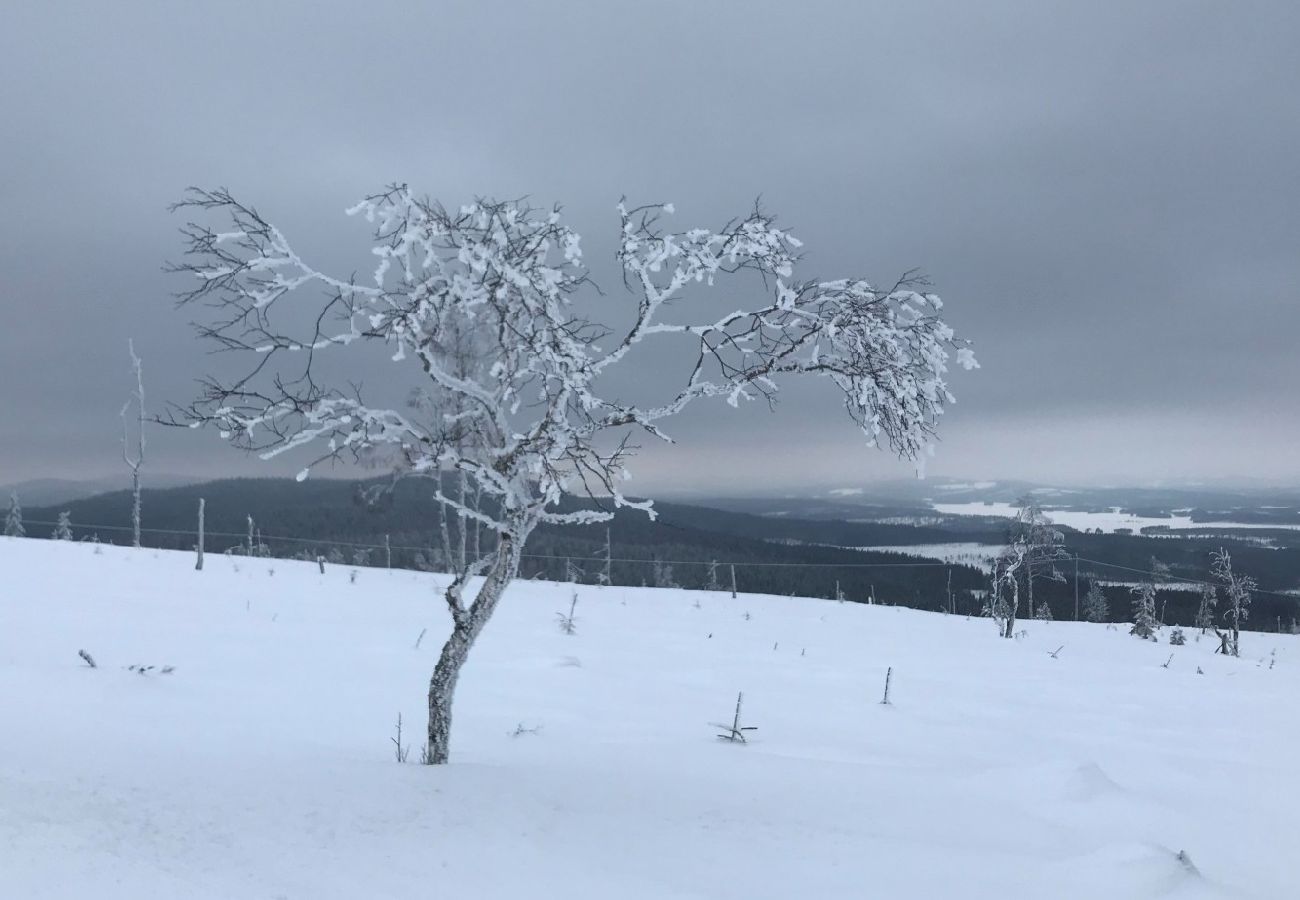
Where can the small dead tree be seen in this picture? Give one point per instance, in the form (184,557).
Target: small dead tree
(133,450)
(1205,609)
(526,421)
(607,576)
(1237,590)
(198,546)
(400,750)
(735,732)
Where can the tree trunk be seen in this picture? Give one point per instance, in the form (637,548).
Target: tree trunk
(135,507)
(468,625)
(198,565)
(1010,630)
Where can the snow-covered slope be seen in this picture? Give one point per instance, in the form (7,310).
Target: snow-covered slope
(262,766)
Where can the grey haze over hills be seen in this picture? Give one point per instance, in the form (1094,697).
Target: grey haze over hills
(1104,194)
(53,491)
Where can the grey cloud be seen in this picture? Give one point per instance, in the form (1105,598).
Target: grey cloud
(1105,194)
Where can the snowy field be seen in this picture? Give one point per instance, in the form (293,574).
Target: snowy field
(977,556)
(262,766)
(1108,522)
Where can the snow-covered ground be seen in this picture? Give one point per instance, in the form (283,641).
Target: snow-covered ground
(1110,521)
(977,556)
(262,767)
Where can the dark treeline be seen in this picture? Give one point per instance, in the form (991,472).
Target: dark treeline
(779,555)
(331,518)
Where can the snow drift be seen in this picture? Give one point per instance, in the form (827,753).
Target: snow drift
(262,766)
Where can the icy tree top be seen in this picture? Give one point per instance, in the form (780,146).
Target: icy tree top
(480,300)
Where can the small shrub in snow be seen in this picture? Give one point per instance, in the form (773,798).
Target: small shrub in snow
(352,577)
(568,623)
(520,730)
(139,669)
(1177,638)
(1043,613)
(90,660)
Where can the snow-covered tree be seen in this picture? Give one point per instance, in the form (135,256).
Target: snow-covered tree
(134,458)
(1044,612)
(1144,611)
(1096,608)
(1145,621)
(63,528)
(1004,600)
(1043,547)
(1205,610)
(662,574)
(530,422)
(14,518)
(1236,607)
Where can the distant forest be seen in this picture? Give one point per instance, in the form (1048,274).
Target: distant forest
(686,546)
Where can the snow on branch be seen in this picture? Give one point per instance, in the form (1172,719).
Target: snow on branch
(477,304)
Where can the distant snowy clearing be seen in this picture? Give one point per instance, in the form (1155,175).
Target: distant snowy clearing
(1108,522)
(977,556)
(262,766)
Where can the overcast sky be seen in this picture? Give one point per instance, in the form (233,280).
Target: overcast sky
(1107,196)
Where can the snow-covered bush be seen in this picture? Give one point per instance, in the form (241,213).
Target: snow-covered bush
(63,528)
(1177,637)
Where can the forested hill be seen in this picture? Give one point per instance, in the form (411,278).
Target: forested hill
(772,554)
(330,517)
